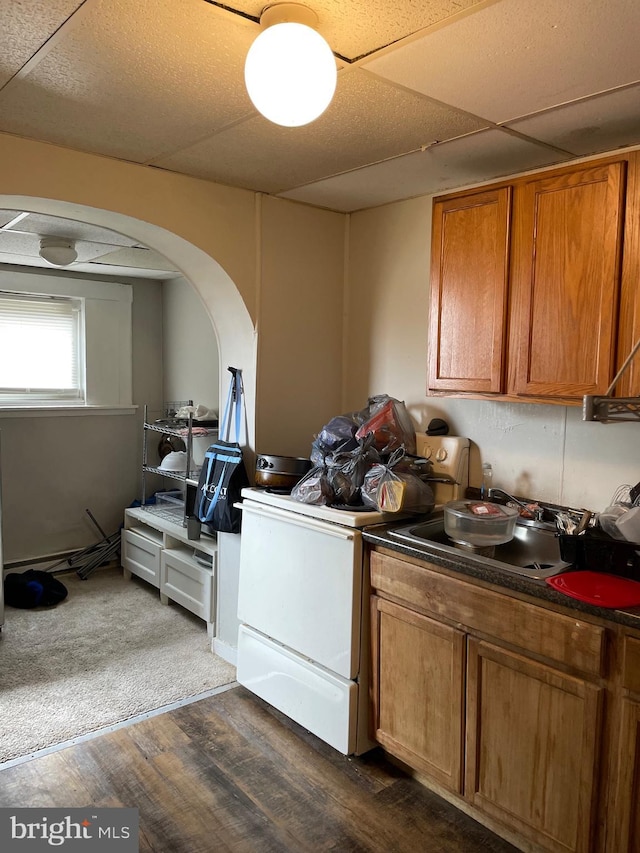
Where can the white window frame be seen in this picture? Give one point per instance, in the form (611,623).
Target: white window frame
(105,345)
(32,307)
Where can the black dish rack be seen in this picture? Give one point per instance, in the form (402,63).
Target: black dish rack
(596,551)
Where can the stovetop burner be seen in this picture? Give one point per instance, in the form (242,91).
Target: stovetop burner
(352,507)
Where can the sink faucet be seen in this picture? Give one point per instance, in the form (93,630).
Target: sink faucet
(536,511)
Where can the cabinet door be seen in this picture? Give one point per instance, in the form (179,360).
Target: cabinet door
(623,826)
(418,671)
(531,747)
(629,325)
(469,267)
(566,282)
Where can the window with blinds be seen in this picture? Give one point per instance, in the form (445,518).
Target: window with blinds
(40,349)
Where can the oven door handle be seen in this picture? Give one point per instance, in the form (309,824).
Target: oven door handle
(299,520)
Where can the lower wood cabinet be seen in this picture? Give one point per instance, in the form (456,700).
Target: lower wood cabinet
(532,744)
(534,732)
(419,690)
(624,832)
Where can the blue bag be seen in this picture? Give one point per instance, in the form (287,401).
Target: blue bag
(223,475)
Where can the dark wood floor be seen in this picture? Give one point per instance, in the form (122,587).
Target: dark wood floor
(229,773)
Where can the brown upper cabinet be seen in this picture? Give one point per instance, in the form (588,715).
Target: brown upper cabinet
(469,281)
(530,299)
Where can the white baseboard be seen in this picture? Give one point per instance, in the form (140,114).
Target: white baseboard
(225,651)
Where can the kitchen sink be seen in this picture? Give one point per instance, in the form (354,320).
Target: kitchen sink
(534,550)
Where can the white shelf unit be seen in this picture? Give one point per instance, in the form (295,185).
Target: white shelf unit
(155,547)
(176,432)
(188,478)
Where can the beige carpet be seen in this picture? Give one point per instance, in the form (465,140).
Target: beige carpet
(110,651)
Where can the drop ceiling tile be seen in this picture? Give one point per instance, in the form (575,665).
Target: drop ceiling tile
(133,80)
(599,124)
(369,120)
(19,244)
(7,216)
(475,158)
(354,28)
(29,245)
(510,59)
(139,257)
(54,226)
(25,25)
(100,250)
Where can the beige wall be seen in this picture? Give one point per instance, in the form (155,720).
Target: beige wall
(538,451)
(300,359)
(217,219)
(259,266)
(388,304)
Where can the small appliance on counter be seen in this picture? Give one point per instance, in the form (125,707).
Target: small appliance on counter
(449,456)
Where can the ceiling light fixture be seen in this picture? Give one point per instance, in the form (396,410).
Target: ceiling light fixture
(57,251)
(290,71)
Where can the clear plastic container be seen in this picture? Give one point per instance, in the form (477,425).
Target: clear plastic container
(479,523)
(170,500)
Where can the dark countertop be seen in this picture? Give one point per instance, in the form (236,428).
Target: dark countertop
(519,583)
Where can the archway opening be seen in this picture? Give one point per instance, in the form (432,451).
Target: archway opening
(233,330)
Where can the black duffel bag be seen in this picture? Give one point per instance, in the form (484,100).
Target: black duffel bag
(33,589)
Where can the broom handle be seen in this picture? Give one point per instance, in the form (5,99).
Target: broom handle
(623,368)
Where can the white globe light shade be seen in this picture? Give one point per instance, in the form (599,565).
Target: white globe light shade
(57,251)
(290,74)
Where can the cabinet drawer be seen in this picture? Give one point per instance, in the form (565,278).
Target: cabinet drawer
(186,583)
(631,666)
(141,556)
(530,627)
(321,701)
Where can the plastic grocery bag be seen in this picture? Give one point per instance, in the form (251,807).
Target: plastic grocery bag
(404,493)
(391,425)
(314,488)
(346,470)
(391,487)
(336,436)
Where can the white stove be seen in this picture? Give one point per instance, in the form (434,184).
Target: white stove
(345,517)
(449,455)
(303,602)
